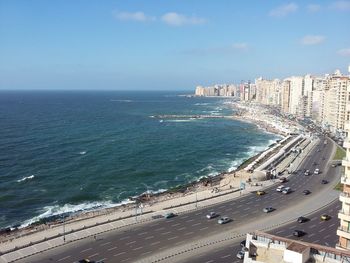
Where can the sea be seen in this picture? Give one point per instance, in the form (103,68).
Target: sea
(69,151)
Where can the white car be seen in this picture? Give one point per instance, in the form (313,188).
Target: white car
(240,255)
(212,215)
(280,188)
(317,171)
(287,190)
(224,220)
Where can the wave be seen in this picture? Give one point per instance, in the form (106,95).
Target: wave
(25,178)
(201,104)
(82,152)
(182,120)
(121,100)
(57,211)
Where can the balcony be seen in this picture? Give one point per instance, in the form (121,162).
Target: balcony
(344,198)
(344,215)
(344,232)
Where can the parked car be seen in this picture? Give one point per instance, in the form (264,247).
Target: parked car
(243,242)
(325,217)
(169,215)
(212,215)
(280,188)
(260,192)
(268,209)
(240,255)
(287,190)
(306,192)
(298,233)
(302,219)
(224,220)
(324,182)
(317,171)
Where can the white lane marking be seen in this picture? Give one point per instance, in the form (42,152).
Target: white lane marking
(125,259)
(197,214)
(182,228)
(184,216)
(159,229)
(105,244)
(146,253)
(155,243)
(209,261)
(188,233)
(312,234)
(109,249)
(165,233)
(197,224)
(121,253)
(93,255)
(247,208)
(226,256)
(170,238)
(137,248)
(326,237)
(149,237)
(190,220)
(278,232)
(129,243)
(176,224)
(323,229)
(312,226)
(143,233)
(331,225)
(63,258)
(203,228)
(86,250)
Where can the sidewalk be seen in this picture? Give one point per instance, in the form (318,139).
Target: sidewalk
(41,241)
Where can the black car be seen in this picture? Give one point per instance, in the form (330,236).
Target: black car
(306,192)
(302,219)
(324,182)
(243,243)
(298,233)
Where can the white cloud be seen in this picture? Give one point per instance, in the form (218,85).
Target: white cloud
(341,5)
(313,8)
(345,52)
(175,19)
(312,40)
(136,16)
(284,10)
(241,46)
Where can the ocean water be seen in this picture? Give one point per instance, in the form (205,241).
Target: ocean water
(66,151)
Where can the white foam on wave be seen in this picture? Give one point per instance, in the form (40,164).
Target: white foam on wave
(26,178)
(56,210)
(153,192)
(82,152)
(180,120)
(121,100)
(201,104)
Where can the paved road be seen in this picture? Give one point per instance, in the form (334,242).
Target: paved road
(319,232)
(138,242)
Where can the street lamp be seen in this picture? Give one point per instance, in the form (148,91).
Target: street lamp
(64,229)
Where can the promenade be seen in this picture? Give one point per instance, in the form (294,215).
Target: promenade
(75,231)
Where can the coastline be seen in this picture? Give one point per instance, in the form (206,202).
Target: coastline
(223,181)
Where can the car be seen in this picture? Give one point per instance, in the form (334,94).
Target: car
(302,219)
(169,215)
(260,192)
(324,182)
(325,217)
(268,209)
(317,171)
(306,192)
(280,188)
(307,172)
(85,260)
(243,242)
(287,190)
(212,215)
(298,233)
(224,220)
(240,255)
(283,179)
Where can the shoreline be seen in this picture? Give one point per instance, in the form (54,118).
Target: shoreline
(205,183)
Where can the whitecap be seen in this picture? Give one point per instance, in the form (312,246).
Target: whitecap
(122,100)
(57,210)
(25,178)
(82,152)
(180,120)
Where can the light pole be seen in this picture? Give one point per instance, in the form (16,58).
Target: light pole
(64,229)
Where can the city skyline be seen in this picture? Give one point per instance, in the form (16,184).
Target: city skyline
(167,46)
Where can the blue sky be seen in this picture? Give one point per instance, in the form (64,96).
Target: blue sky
(168,44)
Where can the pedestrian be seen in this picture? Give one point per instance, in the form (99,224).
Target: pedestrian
(95,237)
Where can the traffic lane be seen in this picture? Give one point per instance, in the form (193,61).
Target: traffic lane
(142,245)
(316,234)
(317,231)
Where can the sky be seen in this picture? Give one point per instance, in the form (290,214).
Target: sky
(168,44)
